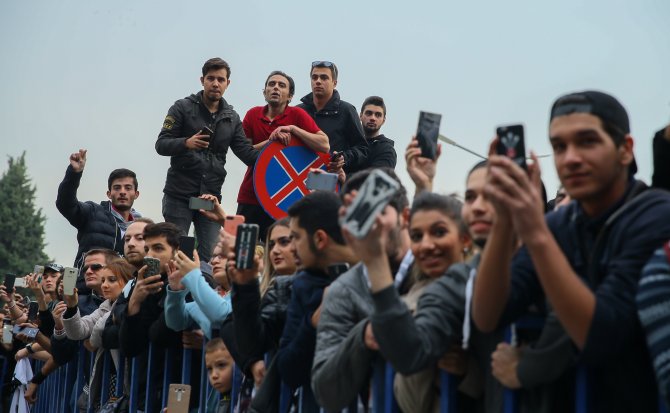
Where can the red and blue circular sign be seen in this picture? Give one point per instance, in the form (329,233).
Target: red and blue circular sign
(280,174)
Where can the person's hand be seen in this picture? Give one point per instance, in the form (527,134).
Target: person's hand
(185,264)
(35,287)
(239,276)
(369,338)
(4,296)
(21,354)
(57,314)
(226,242)
(197,141)
(78,160)
(454,361)
(258,371)
(504,362)
(71,300)
(31,393)
(192,339)
(217,214)
(143,288)
(419,168)
(281,134)
(336,162)
(22,336)
(516,194)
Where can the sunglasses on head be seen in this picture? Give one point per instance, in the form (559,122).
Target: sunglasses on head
(322,63)
(93,267)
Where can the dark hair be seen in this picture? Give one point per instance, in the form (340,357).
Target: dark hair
(170,231)
(448,205)
(355,181)
(374,100)
(121,173)
(329,65)
(122,269)
(319,210)
(215,63)
(291,83)
(478,165)
(110,255)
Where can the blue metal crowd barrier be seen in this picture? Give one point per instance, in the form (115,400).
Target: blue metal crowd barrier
(62,388)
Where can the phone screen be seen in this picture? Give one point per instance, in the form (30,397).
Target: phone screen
(199,203)
(187,245)
(427,132)
(511,144)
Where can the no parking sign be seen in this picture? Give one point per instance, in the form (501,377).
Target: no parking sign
(280,174)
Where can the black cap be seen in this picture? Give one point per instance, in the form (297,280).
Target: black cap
(599,104)
(53,267)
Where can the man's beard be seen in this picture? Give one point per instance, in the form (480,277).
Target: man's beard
(136,261)
(393,243)
(370,131)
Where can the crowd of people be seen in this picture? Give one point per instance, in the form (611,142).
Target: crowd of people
(433,286)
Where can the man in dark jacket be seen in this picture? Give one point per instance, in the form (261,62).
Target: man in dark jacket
(335,117)
(585,258)
(196,134)
(98,225)
(661,152)
(373,115)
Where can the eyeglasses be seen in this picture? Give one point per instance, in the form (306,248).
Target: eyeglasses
(93,267)
(282,241)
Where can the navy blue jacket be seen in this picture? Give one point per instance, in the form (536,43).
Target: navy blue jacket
(608,253)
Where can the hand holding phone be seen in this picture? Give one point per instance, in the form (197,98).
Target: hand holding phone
(373,196)
(153,266)
(69,280)
(199,203)
(187,245)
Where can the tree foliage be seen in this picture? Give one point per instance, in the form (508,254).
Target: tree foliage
(21,223)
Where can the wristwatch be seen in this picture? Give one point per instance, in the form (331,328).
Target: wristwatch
(29,348)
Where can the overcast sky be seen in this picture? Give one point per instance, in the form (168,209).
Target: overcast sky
(102,75)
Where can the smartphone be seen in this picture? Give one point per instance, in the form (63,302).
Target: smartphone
(245,246)
(199,203)
(511,144)
(336,270)
(10,279)
(30,332)
(206,130)
(178,398)
(153,266)
(335,156)
(321,181)
(33,308)
(20,282)
(427,132)
(232,222)
(375,193)
(7,335)
(187,245)
(39,272)
(16,329)
(69,280)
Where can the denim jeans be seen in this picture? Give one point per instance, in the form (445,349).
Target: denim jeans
(177,212)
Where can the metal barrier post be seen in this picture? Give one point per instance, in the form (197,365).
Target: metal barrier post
(448,401)
(148,399)
(134,385)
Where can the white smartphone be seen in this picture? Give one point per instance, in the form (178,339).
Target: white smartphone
(375,193)
(7,333)
(69,280)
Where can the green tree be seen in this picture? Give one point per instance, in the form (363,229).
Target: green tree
(21,223)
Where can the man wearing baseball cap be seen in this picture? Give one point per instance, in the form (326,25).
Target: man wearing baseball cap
(585,258)
(52,272)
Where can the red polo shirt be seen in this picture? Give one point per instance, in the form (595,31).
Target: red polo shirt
(258,128)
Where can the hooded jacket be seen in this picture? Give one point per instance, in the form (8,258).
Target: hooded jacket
(98,225)
(194,172)
(339,120)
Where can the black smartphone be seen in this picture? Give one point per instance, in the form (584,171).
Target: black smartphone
(206,130)
(199,203)
(511,144)
(32,311)
(9,282)
(335,156)
(245,246)
(427,132)
(187,245)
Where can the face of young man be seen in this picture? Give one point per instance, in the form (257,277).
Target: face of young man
(477,211)
(123,193)
(93,264)
(276,91)
(133,244)
(591,167)
(323,84)
(372,118)
(159,248)
(49,279)
(214,84)
(302,246)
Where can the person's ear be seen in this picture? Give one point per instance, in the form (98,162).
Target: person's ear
(320,239)
(404,223)
(202,80)
(109,194)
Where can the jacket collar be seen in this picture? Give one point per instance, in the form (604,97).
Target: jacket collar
(333,105)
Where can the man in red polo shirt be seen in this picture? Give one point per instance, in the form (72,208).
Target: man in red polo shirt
(275,121)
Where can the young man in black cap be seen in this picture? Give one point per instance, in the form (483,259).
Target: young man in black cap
(52,272)
(584,258)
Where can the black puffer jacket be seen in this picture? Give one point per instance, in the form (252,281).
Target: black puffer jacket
(96,224)
(202,171)
(339,120)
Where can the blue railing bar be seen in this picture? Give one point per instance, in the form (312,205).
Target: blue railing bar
(203,379)
(237,385)
(120,376)
(149,396)
(104,383)
(134,385)
(91,361)
(167,373)
(581,396)
(448,387)
(186,366)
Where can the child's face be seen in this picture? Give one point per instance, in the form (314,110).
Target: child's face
(219,365)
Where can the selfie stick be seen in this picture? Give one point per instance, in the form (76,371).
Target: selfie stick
(450,142)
